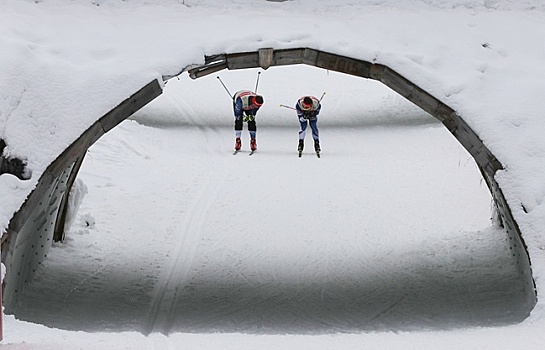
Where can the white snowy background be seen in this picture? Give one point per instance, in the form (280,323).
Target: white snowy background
(176,238)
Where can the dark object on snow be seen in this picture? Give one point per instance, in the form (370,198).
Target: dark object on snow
(14,166)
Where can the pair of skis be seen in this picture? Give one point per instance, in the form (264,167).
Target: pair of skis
(317,154)
(237,152)
(300,153)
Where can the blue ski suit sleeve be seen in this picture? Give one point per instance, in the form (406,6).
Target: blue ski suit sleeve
(238,108)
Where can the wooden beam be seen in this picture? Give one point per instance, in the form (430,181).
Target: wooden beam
(201,71)
(343,64)
(243,60)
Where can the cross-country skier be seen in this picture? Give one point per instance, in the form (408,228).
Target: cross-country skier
(245,106)
(308,108)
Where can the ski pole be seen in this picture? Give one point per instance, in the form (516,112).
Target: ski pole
(257,82)
(225,87)
(288,107)
(320,100)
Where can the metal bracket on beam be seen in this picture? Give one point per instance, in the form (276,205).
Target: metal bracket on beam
(265,58)
(206,69)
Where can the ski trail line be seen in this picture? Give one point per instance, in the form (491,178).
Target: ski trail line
(177,270)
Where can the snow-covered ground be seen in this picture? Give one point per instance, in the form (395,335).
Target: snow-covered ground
(389,231)
(385,242)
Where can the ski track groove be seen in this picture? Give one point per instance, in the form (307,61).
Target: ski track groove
(83,281)
(178,270)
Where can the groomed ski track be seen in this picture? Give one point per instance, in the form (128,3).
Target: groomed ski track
(269,244)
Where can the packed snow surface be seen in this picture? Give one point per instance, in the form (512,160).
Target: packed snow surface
(176,241)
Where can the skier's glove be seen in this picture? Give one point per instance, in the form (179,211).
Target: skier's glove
(302,119)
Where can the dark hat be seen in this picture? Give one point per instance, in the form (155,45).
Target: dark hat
(257,100)
(307,103)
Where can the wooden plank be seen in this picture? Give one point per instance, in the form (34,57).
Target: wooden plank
(288,57)
(472,143)
(343,64)
(442,112)
(411,92)
(58,231)
(75,150)
(376,71)
(132,104)
(396,82)
(214,58)
(265,57)
(425,101)
(242,60)
(310,57)
(202,71)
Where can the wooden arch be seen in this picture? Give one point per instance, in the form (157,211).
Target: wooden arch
(41,218)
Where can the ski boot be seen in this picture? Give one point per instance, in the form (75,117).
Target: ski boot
(317,148)
(253,145)
(300,147)
(238,144)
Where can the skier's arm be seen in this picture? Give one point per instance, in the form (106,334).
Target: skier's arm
(317,111)
(252,112)
(300,113)
(238,108)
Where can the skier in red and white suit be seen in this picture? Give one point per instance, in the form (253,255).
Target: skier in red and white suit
(245,106)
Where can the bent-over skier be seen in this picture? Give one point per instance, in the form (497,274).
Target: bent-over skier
(245,106)
(308,108)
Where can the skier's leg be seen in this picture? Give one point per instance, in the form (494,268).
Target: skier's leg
(314,127)
(302,134)
(238,126)
(238,133)
(302,130)
(315,134)
(252,130)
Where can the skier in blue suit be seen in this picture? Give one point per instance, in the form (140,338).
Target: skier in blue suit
(308,108)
